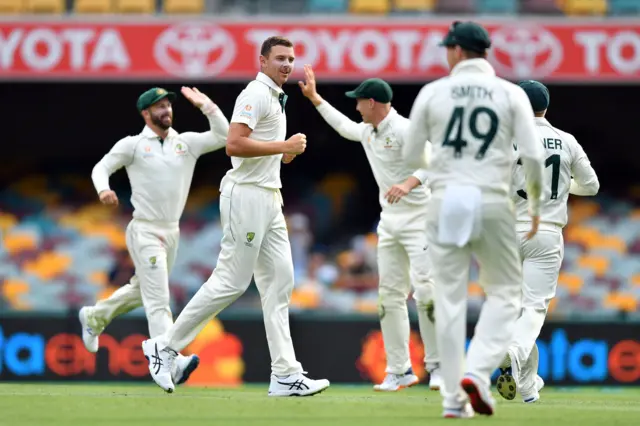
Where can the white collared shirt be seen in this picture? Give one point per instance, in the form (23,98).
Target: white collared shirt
(258,106)
(383,147)
(160,173)
(564,158)
(471,118)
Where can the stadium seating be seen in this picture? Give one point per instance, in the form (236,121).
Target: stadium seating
(624,7)
(327,6)
(135,6)
(547,7)
(413,6)
(456,6)
(11,6)
(497,6)
(45,6)
(585,7)
(92,6)
(378,7)
(183,6)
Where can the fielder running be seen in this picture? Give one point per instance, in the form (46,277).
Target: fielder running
(160,164)
(255,239)
(403,258)
(542,255)
(471,117)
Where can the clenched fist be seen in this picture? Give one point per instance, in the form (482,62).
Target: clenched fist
(296,144)
(108,197)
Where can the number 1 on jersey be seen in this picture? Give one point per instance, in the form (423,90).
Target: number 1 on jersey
(554,162)
(456,122)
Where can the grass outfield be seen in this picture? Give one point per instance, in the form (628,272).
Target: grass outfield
(142,405)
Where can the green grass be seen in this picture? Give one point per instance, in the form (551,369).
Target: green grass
(142,405)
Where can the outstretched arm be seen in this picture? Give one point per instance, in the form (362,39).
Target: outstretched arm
(216,137)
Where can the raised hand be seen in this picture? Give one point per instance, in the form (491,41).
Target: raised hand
(308,86)
(196,97)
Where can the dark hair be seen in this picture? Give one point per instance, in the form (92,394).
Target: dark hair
(472,54)
(274,41)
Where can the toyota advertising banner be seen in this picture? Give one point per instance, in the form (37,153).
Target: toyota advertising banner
(397,50)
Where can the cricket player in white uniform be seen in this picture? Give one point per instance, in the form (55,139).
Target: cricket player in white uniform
(160,164)
(471,117)
(255,241)
(403,258)
(568,171)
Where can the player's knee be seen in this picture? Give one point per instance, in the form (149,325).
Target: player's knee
(423,292)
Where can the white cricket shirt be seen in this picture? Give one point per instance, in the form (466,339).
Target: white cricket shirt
(471,118)
(564,157)
(258,106)
(383,147)
(160,172)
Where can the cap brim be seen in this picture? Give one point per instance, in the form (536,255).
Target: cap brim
(448,41)
(351,94)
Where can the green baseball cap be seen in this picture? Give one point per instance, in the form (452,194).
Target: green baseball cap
(152,96)
(538,94)
(467,35)
(373,88)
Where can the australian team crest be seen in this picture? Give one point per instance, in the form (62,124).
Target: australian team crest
(250,237)
(181,149)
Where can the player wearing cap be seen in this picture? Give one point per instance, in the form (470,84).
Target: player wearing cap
(255,241)
(160,164)
(471,117)
(403,258)
(568,171)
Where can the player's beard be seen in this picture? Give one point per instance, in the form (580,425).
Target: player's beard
(158,120)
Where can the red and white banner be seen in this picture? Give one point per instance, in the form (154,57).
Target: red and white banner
(565,51)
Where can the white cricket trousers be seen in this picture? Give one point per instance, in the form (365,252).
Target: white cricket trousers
(403,261)
(255,243)
(541,260)
(153,247)
(496,250)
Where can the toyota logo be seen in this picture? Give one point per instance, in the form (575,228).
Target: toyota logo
(525,52)
(194,50)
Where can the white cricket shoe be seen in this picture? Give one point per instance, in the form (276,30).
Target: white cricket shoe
(509,377)
(479,395)
(183,367)
(395,382)
(160,364)
(296,385)
(435,379)
(534,395)
(465,412)
(90,335)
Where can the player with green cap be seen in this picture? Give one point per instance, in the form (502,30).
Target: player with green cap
(160,164)
(471,118)
(403,257)
(568,171)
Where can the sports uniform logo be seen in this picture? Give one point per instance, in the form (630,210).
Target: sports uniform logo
(194,50)
(525,52)
(250,237)
(180,149)
(153,260)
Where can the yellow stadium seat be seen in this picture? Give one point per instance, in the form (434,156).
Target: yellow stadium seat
(15,242)
(46,6)
(414,5)
(611,242)
(636,280)
(623,302)
(598,264)
(378,7)
(99,278)
(48,265)
(582,210)
(93,6)
(582,235)
(572,282)
(585,7)
(7,221)
(11,6)
(12,290)
(183,6)
(135,6)
(366,307)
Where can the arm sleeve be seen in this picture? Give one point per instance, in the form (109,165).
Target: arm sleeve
(341,123)
(421,174)
(215,138)
(585,181)
(416,135)
(249,109)
(120,155)
(529,147)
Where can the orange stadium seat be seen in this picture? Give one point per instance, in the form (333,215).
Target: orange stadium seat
(12,290)
(572,282)
(93,6)
(379,7)
(46,6)
(623,302)
(183,6)
(135,6)
(11,6)
(598,264)
(585,7)
(414,5)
